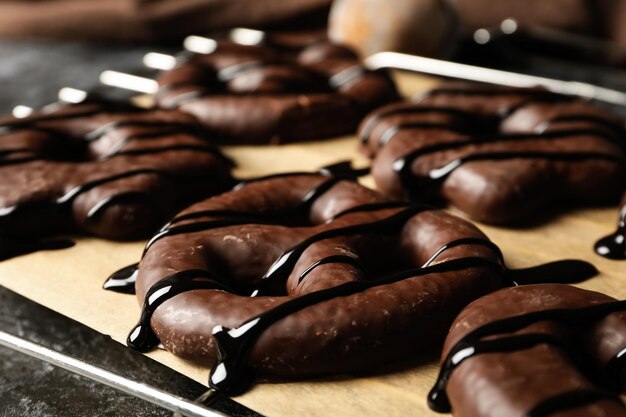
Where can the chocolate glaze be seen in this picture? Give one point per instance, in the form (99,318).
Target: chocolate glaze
(234,371)
(507,143)
(476,333)
(286,95)
(123,145)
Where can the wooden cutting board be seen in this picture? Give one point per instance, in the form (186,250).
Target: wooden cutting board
(69,281)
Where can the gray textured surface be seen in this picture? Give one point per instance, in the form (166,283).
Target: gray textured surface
(29,387)
(31,73)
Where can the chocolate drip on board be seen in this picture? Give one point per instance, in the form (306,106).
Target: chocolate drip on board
(474,344)
(613,246)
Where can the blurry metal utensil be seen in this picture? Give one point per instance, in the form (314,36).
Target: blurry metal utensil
(442,68)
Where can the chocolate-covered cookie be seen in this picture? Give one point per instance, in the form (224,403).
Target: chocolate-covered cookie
(341,279)
(500,155)
(539,350)
(614,246)
(106,169)
(272,94)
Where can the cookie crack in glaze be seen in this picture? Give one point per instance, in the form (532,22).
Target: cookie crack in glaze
(536,350)
(108,169)
(500,155)
(273,93)
(296,275)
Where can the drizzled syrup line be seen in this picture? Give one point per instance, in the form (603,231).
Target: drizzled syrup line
(68,198)
(283,266)
(614,126)
(123,280)
(412,108)
(100,206)
(142,338)
(232,375)
(403,166)
(126,276)
(614,246)
(119,124)
(340,259)
(199,227)
(471,344)
(466,241)
(239,218)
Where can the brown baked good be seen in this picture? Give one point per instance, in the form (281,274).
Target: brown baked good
(539,350)
(341,276)
(275,93)
(501,155)
(614,246)
(106,169)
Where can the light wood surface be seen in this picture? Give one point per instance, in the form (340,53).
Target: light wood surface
(69,281)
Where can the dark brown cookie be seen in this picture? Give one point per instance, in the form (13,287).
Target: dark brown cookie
(614,246)
(500,155)
(342,279)
(109,170)
(268,94)
(540,350)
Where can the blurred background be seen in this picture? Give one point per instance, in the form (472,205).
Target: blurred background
(48,44)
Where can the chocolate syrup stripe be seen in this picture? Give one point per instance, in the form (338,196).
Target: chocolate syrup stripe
(342,79)
(124,279)
(614,246)
(403,165)
(334,259)
(411,108)
(142,337)
(473,344)
(66,200)
(232,373)
(304,205)
(238,218)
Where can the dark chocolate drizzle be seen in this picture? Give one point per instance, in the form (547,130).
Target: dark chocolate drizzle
(64,202)
(123,280)
(142,337)
(474,343)
(232,374)
(614,246)
(413,182)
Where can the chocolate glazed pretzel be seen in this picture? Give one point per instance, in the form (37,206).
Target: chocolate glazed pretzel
(341,278)
(500,155)
(263,94)
(535,351)
(107,169)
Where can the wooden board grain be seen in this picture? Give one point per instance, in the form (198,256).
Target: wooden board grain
(69,281)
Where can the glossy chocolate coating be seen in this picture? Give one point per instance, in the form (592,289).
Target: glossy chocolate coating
(536,350)
(500,155)
(106,169)
(343,277)
(264,94)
